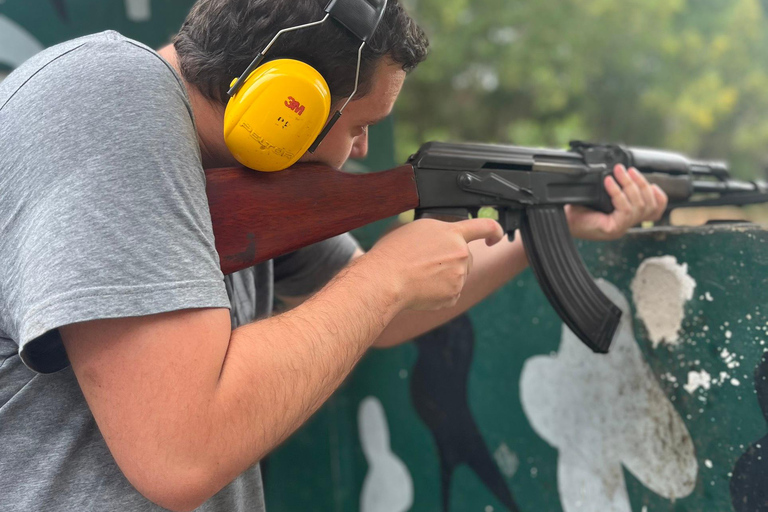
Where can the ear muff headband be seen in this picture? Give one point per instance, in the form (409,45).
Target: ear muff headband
(253,134)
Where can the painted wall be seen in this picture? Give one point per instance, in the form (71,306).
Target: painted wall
(505,410)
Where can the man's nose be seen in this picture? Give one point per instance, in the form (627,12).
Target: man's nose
(360,146)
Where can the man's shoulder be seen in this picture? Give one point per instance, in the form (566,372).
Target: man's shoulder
(110,49)
(96,57)
(90,48)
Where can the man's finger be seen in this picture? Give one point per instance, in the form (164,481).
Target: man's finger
(619,200)
(475,229)
(661,201)
(629,187)
(645,190)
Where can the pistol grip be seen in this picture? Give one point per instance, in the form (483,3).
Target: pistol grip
(604,202)
(564,278)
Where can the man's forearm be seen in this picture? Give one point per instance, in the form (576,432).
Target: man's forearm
(492,268)
(285,367)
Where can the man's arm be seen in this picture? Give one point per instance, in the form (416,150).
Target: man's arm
(185,405)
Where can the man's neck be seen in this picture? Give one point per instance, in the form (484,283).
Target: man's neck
(209,120)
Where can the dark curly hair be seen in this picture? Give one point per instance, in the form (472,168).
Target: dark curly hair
(219,38)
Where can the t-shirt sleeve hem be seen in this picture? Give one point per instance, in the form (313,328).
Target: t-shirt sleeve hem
(102,303)
(309,269)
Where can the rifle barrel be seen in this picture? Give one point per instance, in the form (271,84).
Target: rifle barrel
(726,187)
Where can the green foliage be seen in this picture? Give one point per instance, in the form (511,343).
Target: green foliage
(689,75)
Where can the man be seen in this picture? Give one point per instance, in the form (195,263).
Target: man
(133,375)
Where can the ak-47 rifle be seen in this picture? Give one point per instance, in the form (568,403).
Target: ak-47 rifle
(257,216)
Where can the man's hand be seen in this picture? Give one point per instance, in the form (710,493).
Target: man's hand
(634,200)
(431,259)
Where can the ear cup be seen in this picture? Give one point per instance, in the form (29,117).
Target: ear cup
(276,115)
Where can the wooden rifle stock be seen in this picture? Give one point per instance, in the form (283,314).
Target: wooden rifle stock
(260,215)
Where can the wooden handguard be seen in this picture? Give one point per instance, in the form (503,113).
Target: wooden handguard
(257,216)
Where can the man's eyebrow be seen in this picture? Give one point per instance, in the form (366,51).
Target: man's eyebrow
(377,120)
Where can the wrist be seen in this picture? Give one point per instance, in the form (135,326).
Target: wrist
(386,282)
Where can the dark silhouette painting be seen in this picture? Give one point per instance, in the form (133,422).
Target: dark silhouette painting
(439,393)
(749,483)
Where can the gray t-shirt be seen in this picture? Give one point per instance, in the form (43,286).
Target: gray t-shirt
(103,214)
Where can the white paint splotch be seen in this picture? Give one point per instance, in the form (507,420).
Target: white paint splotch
(138,10)
(605,411)
(701,379)
(660,289)
(507,460)
(16,44)
(388,486)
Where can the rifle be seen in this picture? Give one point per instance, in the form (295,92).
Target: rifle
(258,216)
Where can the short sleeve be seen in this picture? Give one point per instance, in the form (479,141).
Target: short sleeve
(307,270)
(104,212)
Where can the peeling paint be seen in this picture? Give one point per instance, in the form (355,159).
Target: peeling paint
(604,413)
(729,358)
(697,380)
(660,289)
(507,460)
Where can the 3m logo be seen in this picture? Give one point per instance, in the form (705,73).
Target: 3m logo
(294,105)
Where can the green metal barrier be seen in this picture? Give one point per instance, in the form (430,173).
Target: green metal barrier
(504,410)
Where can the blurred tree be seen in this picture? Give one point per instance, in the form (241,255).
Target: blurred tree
(678,74)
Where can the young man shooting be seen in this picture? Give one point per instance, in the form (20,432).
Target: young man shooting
(134,375)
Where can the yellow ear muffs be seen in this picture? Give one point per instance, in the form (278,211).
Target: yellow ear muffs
(276,115)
